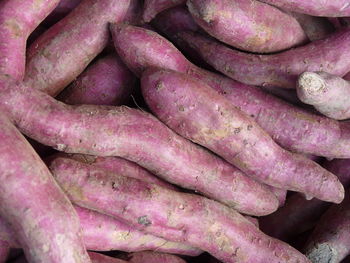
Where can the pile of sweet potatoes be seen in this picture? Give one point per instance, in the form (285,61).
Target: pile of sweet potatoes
(159,131)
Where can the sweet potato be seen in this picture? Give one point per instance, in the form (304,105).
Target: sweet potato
(303,214)
(326,92)
(99,258)
(104,233)
(328,8)
(221,231)
(119,166)
(83,32)
(39,213)
(138,137)
(152,7)
(248,24)
(331,54)
(330,240)
(134,14)
(186,106)
(152,257)
(15,28)
(4,251)
(106,82)
(292,127)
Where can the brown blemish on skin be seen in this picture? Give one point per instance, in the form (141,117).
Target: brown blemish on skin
(14,27)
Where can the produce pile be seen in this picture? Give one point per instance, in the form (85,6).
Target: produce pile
(174,131)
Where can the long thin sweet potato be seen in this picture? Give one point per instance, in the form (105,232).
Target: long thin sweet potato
(138,137)
(152,7)
(331,54)
(199,113)
(106,82)
(293,128)
(169,214)
(59,55)
(248,24)
(330,8)
(30,200)
(15,28)
(326,92)
(330,240)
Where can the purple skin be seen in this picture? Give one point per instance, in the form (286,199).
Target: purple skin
(99,258)
(63,8)
(106,82)
(175,216)
(303,214)
(329,8)
(59,55)
(136,136)
(119,166)
(278,70)
(18,19)
(42,217)
(326,92)
(4,251)
(152,7)
(153,257)
(330,240)
(104,233)
(281,195)
(134,14)
(186,105)
(247,24)
(293,128)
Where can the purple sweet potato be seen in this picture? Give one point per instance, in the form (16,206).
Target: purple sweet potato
(153,257)
(186,106)
(119,166)
(40,214)
(106,82)
(293,128)
(248,24)
(330,240)
(326,92)
(132,134)
(221,231)
(303,214)
(59,55)
(104,233)
(134,14)
(19,18)
(331,54)
(152,7)
(330,8)
(99,258)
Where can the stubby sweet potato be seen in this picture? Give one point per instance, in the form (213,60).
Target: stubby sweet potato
(331,54)
(326,92)
(330,8)
(248,24)
(138,137)
(186,106)
(293,128)
(40,214)
(106,82)
(152,257)
(59,55)
(18,18)
(152,7)
(176,216)
(330,240)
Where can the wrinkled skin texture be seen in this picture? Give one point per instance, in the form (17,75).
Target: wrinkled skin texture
(326,92)
(104,233)
(221,231)
(331,54)
(19,18)
(138,137)
(152,7)
(59,55)
(330,8)
(106,82)
(293,128)
(186,106)
(247,24)
(153,257)
(303,214)
(41,216)
(330,240)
